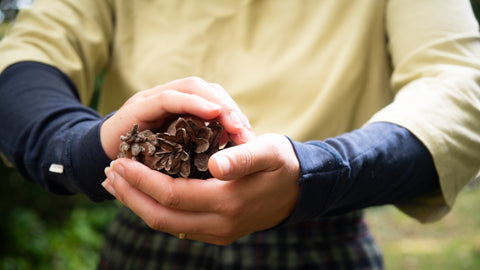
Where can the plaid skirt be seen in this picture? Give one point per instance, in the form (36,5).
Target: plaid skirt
(342,242)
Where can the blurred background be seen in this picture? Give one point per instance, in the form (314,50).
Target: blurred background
(40,231)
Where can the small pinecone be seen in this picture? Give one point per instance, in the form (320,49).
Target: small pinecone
(182,151)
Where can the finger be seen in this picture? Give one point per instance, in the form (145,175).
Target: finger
(239,161)
(151,112)
(216,233)
(245,136)
(211,91)
(231,117)
(234,119)
(173,102)
(179,193)
(159,217)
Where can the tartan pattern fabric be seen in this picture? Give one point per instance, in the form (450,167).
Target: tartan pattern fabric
(342,242)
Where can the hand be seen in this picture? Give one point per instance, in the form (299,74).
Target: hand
(255,189)
(149,108)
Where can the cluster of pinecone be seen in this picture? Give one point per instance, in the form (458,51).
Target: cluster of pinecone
(182,151)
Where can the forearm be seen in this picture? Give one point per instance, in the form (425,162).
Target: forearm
(43,124)
(379,164)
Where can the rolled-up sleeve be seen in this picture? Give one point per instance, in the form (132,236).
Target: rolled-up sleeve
(47,134)
(435,50)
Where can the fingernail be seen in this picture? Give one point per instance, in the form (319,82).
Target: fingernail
(108,187)
(118,168)
(110,175)
(247,135)
(245,122)
(236,121)
(224,164)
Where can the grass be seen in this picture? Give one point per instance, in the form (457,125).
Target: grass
(452,243)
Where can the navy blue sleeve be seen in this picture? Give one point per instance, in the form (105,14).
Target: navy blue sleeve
(47,134)
(379,164)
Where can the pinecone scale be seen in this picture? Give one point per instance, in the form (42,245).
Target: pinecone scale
(182,151)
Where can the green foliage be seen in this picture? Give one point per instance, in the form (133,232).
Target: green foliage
(476,8)
(45,231)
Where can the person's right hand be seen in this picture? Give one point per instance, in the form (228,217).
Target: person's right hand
(150,108)
(255,187)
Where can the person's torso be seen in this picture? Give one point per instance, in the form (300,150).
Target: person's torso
(306,69)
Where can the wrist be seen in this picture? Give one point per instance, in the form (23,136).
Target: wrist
(109,140)
(88,159)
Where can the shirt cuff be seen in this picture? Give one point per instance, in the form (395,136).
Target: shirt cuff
(89,160)
(381,163)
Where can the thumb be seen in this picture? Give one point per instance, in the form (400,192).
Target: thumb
(242,160)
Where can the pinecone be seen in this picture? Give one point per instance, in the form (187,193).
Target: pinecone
(182,151)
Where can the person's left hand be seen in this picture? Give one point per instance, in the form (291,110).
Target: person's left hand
(150,108)
(258,190)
